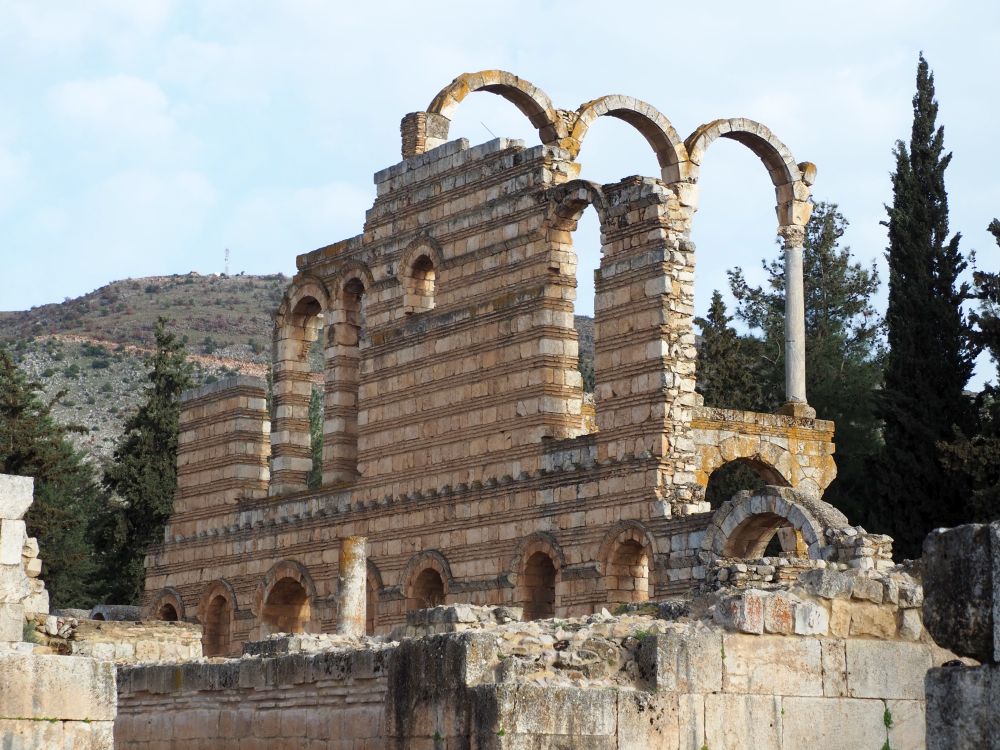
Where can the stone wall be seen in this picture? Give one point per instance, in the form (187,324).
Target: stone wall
(455,436)
(487,680)
(136,642)
(962,611)
(46,701)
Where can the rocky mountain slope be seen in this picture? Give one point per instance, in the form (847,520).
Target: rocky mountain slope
(93,350)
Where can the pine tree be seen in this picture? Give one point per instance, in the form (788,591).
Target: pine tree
(930,358)
(977,457)
(843,353)
(315,477)
(67,495)
(727,362)
(143,474)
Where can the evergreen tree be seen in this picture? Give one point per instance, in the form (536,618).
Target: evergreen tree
(930,358)
(977,458)
(144,474)
(315,477)
(67,495)
(728,364)
(843,352)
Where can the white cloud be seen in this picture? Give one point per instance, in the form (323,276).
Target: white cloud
(116,109)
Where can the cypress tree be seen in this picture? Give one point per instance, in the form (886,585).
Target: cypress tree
(67,495)
(930,358)
(977,457)
(728,363)
(143,474)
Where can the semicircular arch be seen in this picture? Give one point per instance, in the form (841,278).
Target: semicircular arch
(534,103)
(168,596)
(742,526)
(671,153)
(279,571)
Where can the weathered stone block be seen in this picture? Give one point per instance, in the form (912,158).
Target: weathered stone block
(743,721)
(16,494)
(811,619)
(64,687)
(683,663)
(743,613)
(11,622)
(832,723)
(961,581)
(772,665)
(962,708)
(11,541)
(886,669)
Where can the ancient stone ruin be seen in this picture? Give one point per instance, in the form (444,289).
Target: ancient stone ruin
(46,700)
(455,437)
(490,560)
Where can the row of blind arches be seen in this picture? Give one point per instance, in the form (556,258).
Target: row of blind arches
(286,605)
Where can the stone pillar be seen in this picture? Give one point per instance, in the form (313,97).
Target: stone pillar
(291,390)
(422,131)
(15,497)
(222,451)
(352,586)
(340,407)
(644,341)
(795,324)
(962,613)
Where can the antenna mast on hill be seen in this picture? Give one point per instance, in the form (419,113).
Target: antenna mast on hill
(226,271)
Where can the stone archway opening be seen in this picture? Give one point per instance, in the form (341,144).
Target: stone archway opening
(628,573)
(427,590)
(167,612)
(765,535)
(286,609)
(740,474)
(217,637)
(538,587)
(421,285)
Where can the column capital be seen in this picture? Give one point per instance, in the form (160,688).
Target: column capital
(792,235)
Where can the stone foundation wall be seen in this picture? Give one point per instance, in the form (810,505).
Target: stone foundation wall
(627,682)
(46,701)
(136,642)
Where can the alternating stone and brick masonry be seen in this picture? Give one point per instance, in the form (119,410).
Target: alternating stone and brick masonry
(46,701)
(456,439)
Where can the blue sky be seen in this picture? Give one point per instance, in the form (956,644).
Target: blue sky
(141,138)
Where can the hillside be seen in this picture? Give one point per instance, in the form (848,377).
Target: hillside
(94,348)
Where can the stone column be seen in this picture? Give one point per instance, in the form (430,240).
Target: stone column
(795,324)
(351,586)
(340,410)
(291,454)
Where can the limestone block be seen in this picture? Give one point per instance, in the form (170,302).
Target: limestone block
(834,667)
(962,589)
(16,494)
(13,583)
(886,669)
(832,723)
(907,731)
(811,619)
(733,722)
(962,708)
(743,613)
(64,687)
(647,720)
(778,617)
(683,663)
(11,622)
(772,665)
(11,541)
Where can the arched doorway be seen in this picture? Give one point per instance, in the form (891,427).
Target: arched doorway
(286,608)
(216,638)
(167,613)
(628,573)
(427,590)
(538,587)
